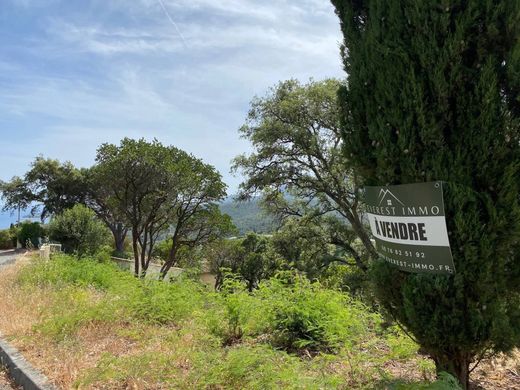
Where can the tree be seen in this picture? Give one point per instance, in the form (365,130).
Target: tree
(251,258)
(295,132)
(311,244)
(196,219)
(52,187)
(49,186)
(432,94)
(160,190)
(223,255)
(139,178)
(79,231)
(7,239)
(29,234)
(97,198)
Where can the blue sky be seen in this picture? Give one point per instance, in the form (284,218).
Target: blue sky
(77,73)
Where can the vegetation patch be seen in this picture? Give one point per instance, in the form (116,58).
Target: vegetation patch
(100,327)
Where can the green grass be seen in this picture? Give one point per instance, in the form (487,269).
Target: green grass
(290,333)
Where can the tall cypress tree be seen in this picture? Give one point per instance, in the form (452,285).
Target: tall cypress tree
(433,94)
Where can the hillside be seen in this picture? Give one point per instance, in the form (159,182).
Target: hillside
(248,216)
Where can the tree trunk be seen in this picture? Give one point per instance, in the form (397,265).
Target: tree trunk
(172,258)
(144,246)
(362,233)
(456,365)
(119,233)
(136,252)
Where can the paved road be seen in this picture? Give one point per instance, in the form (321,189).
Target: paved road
(7,257)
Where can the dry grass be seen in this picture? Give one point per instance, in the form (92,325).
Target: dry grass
(26,306)
(68,362)
(501,372)
(65,362)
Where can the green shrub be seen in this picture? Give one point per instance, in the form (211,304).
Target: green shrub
(29,234)
(191,325)
(401,346)
(6,239)
(306,316)
(236,313)
(162,302)
(162,249)
(79,231)
(444,382)
(63,270)
(87,290)
(74,307)
(258,367)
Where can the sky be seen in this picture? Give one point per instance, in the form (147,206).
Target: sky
(77,73)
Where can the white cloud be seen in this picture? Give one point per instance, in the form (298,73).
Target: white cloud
(118,68)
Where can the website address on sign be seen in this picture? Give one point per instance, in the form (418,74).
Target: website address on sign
(418,266)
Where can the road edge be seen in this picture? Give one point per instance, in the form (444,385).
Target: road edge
(20,370)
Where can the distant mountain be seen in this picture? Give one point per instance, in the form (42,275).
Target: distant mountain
(248,216)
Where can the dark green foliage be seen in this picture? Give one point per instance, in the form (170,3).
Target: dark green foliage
(29,234)
(49,184)
(5,240)
(161,250)
(52,187)
(8,238)
(296,138)
(79,231)
(305,316)
(157,190)
(252,258)
(432,94)
(301,244)
(311,244)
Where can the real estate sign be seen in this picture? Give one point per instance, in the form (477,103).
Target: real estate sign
(409,226)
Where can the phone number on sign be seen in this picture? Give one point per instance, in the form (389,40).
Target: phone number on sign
(399,252)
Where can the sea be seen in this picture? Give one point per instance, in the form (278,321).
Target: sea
(6,218)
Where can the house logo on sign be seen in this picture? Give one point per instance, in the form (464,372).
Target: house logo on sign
(386,197)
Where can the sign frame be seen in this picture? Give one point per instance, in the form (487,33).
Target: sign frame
(408,225)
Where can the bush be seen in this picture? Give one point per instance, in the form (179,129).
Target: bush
(306,316)
(7,239)
(79,231)
(445,382)
(64,270)
(161,302)
(161,249)
(88,290)
(237,313)
(258,367)
(29,234)
(173,326)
